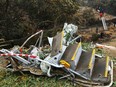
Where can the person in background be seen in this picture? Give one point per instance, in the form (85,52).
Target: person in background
(101,11)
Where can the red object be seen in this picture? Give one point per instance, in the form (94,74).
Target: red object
(32,56)
(21,50)
(24,55)
(101,14)
(20,54)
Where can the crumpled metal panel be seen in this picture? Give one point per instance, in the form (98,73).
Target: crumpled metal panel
(56,45)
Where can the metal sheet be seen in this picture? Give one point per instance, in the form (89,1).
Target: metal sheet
(69,52)
(56,44)
(99,70)
(84,61)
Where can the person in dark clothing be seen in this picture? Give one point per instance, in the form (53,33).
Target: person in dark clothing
(101,11)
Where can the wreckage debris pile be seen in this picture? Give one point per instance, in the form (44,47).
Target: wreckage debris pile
(63,53)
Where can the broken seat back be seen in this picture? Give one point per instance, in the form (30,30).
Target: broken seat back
(57,44)
(71,56)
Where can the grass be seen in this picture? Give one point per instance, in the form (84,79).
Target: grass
(10,79)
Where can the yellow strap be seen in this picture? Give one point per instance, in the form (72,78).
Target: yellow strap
(107,63)
(90,62)
(61,40)
(76,51)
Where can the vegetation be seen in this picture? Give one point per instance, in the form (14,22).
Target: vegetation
(19,18)
(9,79)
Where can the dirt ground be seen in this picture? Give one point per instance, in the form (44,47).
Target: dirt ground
(111,42)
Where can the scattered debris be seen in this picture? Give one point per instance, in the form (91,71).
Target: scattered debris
(105,46)
(104,23)
(65,57)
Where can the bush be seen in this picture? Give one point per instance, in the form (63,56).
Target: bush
(19,18)
(95,37)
